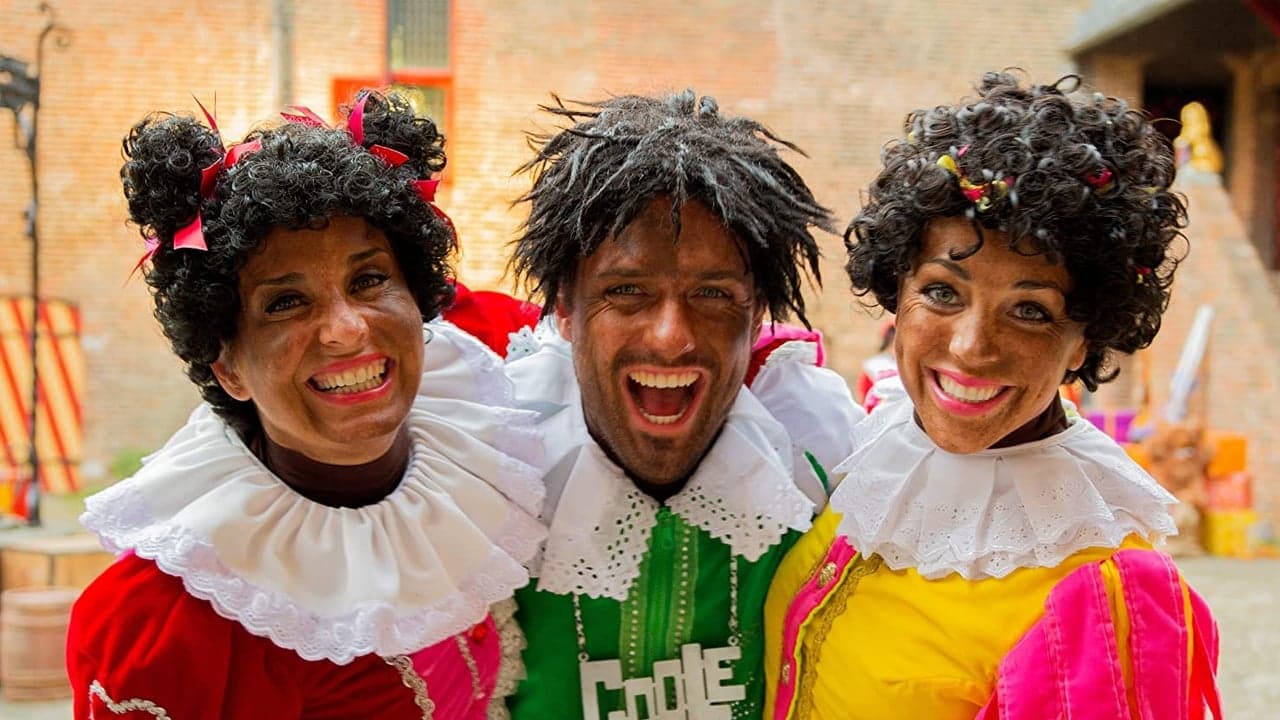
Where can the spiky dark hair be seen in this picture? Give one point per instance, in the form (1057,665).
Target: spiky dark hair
(1116,238)
(591,179)
(300,178)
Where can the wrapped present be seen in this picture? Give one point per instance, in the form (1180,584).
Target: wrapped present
(1233,491)
(1229,452)
(1115,423)
(1230,533)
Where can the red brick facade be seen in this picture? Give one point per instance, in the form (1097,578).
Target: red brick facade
(835,77)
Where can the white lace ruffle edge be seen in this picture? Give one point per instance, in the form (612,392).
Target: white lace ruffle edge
(989,513)
(595,543)
(742,494)
(391,578)
(371,627)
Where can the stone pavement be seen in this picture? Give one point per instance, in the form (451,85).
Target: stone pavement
(1245,598)
(1244,595)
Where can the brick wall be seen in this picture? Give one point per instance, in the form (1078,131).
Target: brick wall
(836,77)
(1243,379)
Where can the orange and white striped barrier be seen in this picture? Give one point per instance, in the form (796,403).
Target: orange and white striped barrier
(59,417)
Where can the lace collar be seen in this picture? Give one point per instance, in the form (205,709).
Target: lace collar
(988,513)
(422,564)
(742,493)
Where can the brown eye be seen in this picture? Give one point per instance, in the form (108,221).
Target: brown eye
(712,292)
(283,302)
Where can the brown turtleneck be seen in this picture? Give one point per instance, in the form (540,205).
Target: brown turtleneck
(1050,422)
(349,486)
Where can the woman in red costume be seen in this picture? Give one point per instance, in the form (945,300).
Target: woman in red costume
(337,531)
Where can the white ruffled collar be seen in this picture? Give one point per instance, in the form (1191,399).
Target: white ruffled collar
(743,493)
(415,568)
(988,513)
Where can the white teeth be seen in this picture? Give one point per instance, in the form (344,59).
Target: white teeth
(664,380)
(354,380)
(661,419)
(967,394)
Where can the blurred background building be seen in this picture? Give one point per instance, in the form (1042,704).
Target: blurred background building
(835,76)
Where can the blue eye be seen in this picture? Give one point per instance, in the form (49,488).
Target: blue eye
(368,280)
(712,292)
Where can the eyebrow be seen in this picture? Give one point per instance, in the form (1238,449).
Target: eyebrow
(956,268)
(286,279)
(293,277)
(1039,285)
(951,265)
(636,273)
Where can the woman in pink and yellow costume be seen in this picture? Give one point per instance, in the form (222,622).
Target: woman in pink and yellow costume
(338,530)
(988,553)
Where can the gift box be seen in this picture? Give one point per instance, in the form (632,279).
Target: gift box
(1229,533)
(1115,423)
(1229,452)
(1233,491)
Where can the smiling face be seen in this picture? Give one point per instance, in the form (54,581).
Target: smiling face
(984,342)
(329,342)
(662,336)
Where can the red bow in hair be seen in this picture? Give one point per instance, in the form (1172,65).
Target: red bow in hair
(426,188)
(191,235)
(1101,180)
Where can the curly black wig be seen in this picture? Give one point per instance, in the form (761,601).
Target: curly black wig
(594,177)
(302,176)
(1081,179)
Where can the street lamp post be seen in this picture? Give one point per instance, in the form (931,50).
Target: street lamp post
(20,93)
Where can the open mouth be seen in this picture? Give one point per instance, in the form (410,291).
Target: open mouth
(663,398)
(352,380)
(968,394)
(966,397)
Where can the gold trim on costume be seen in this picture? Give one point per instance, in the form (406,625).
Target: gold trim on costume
(120,708)
(414,682)
(821,621)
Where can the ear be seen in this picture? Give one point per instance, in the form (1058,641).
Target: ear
(1079,354)
(224,370)
(757,321)
(563,318)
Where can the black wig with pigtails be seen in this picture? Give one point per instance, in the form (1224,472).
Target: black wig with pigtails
(592,179)
(302,176)
(1082,179)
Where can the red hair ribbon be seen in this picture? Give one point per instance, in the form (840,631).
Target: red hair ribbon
(1101,180)
(391,156)
(302,114)
(191,235)
(1143,272)
(355,125)
(427,189)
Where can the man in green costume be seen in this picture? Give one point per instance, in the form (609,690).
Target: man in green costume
(660,233)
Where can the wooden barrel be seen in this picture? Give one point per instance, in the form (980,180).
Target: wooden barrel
(33,642)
